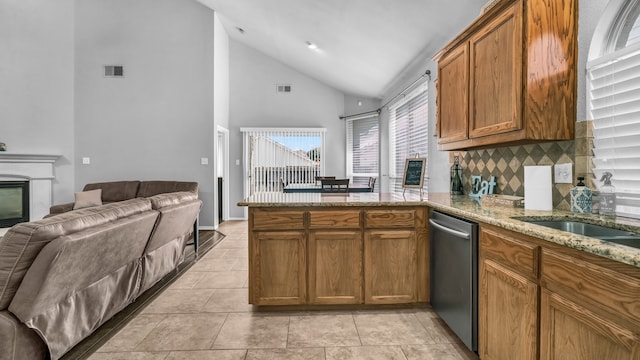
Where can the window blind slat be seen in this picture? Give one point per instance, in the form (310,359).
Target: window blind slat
(363,149)
(614,104)
(613,98)
(408,128)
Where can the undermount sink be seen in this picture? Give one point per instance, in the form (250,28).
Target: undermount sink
(617,236)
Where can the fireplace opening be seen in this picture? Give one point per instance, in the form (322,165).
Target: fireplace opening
(14,202)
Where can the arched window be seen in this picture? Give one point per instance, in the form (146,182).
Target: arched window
(626,29)
(614,105)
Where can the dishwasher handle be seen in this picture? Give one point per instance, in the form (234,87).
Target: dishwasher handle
(456,233)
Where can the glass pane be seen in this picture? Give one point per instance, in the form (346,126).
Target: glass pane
(283,156)
(10,203)
(630,32)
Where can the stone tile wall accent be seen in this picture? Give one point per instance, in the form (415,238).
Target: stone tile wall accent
(584,153)
(507,164)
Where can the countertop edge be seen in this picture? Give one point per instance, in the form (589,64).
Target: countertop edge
(502,217)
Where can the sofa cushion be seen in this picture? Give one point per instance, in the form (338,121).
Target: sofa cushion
(151,188)
(23,242)
(115,190)
(163,200)
(88,198)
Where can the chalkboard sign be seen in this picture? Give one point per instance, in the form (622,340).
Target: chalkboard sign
(414,173)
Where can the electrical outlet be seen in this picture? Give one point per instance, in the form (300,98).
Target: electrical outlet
(204,161)
(86,161)
(563,173)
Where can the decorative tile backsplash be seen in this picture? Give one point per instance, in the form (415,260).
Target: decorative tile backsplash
(507,164)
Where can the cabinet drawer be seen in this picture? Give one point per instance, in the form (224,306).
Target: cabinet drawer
(579,279)
(344,219)
(277,220)
(390,218)
(506,248)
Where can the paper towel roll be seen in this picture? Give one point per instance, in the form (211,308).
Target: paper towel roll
(537,188)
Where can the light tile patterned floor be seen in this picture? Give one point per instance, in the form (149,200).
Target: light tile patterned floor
(204,315)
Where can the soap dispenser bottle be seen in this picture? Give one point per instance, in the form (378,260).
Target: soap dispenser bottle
(607,195)
(581,198)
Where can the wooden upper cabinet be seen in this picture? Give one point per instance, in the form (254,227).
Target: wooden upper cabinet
(519,84)
(496,75)
(453,92)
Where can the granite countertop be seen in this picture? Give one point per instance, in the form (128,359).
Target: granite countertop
(462,206)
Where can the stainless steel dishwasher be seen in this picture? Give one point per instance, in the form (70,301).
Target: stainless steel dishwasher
(454,274)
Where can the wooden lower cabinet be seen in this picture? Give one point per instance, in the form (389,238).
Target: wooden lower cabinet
(539,300)
(590,307)
(335,267)
(508,314)
(338,256)
(390,266)
(570,331)
(507,296)
(278,274)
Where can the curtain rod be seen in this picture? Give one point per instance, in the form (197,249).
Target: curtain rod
(401,93)
(361,114)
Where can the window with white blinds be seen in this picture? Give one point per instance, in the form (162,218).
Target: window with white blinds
(363,148)
(614,101)
(408,133)
(280,156)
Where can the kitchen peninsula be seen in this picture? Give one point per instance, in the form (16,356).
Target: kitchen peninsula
(321,249)
(539,288)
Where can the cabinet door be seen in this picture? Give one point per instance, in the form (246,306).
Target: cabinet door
(495,99)
(279,264)
(390,266)
(453,95)
(508,310)
(335,267)
(570,331)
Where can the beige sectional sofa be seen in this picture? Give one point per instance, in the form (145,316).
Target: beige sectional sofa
(63,276)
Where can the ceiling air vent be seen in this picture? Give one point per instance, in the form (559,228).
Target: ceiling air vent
(283,88)
(114,71)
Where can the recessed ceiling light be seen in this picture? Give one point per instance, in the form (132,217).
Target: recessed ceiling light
(311,45)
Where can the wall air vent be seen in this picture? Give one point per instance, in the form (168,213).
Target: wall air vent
(283,88)
(114,71)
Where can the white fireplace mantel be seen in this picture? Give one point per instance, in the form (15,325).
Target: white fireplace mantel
(38,170)
(18,157)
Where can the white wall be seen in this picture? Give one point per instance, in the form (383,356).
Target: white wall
(220,104)
(255,103)
(36,83)
(221,74)
(156,122)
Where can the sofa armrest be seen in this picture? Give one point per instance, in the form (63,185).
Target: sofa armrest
(61,208)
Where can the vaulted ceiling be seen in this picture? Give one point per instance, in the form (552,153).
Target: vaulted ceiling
(362,45)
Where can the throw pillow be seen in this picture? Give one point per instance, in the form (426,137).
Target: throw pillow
(88,198)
